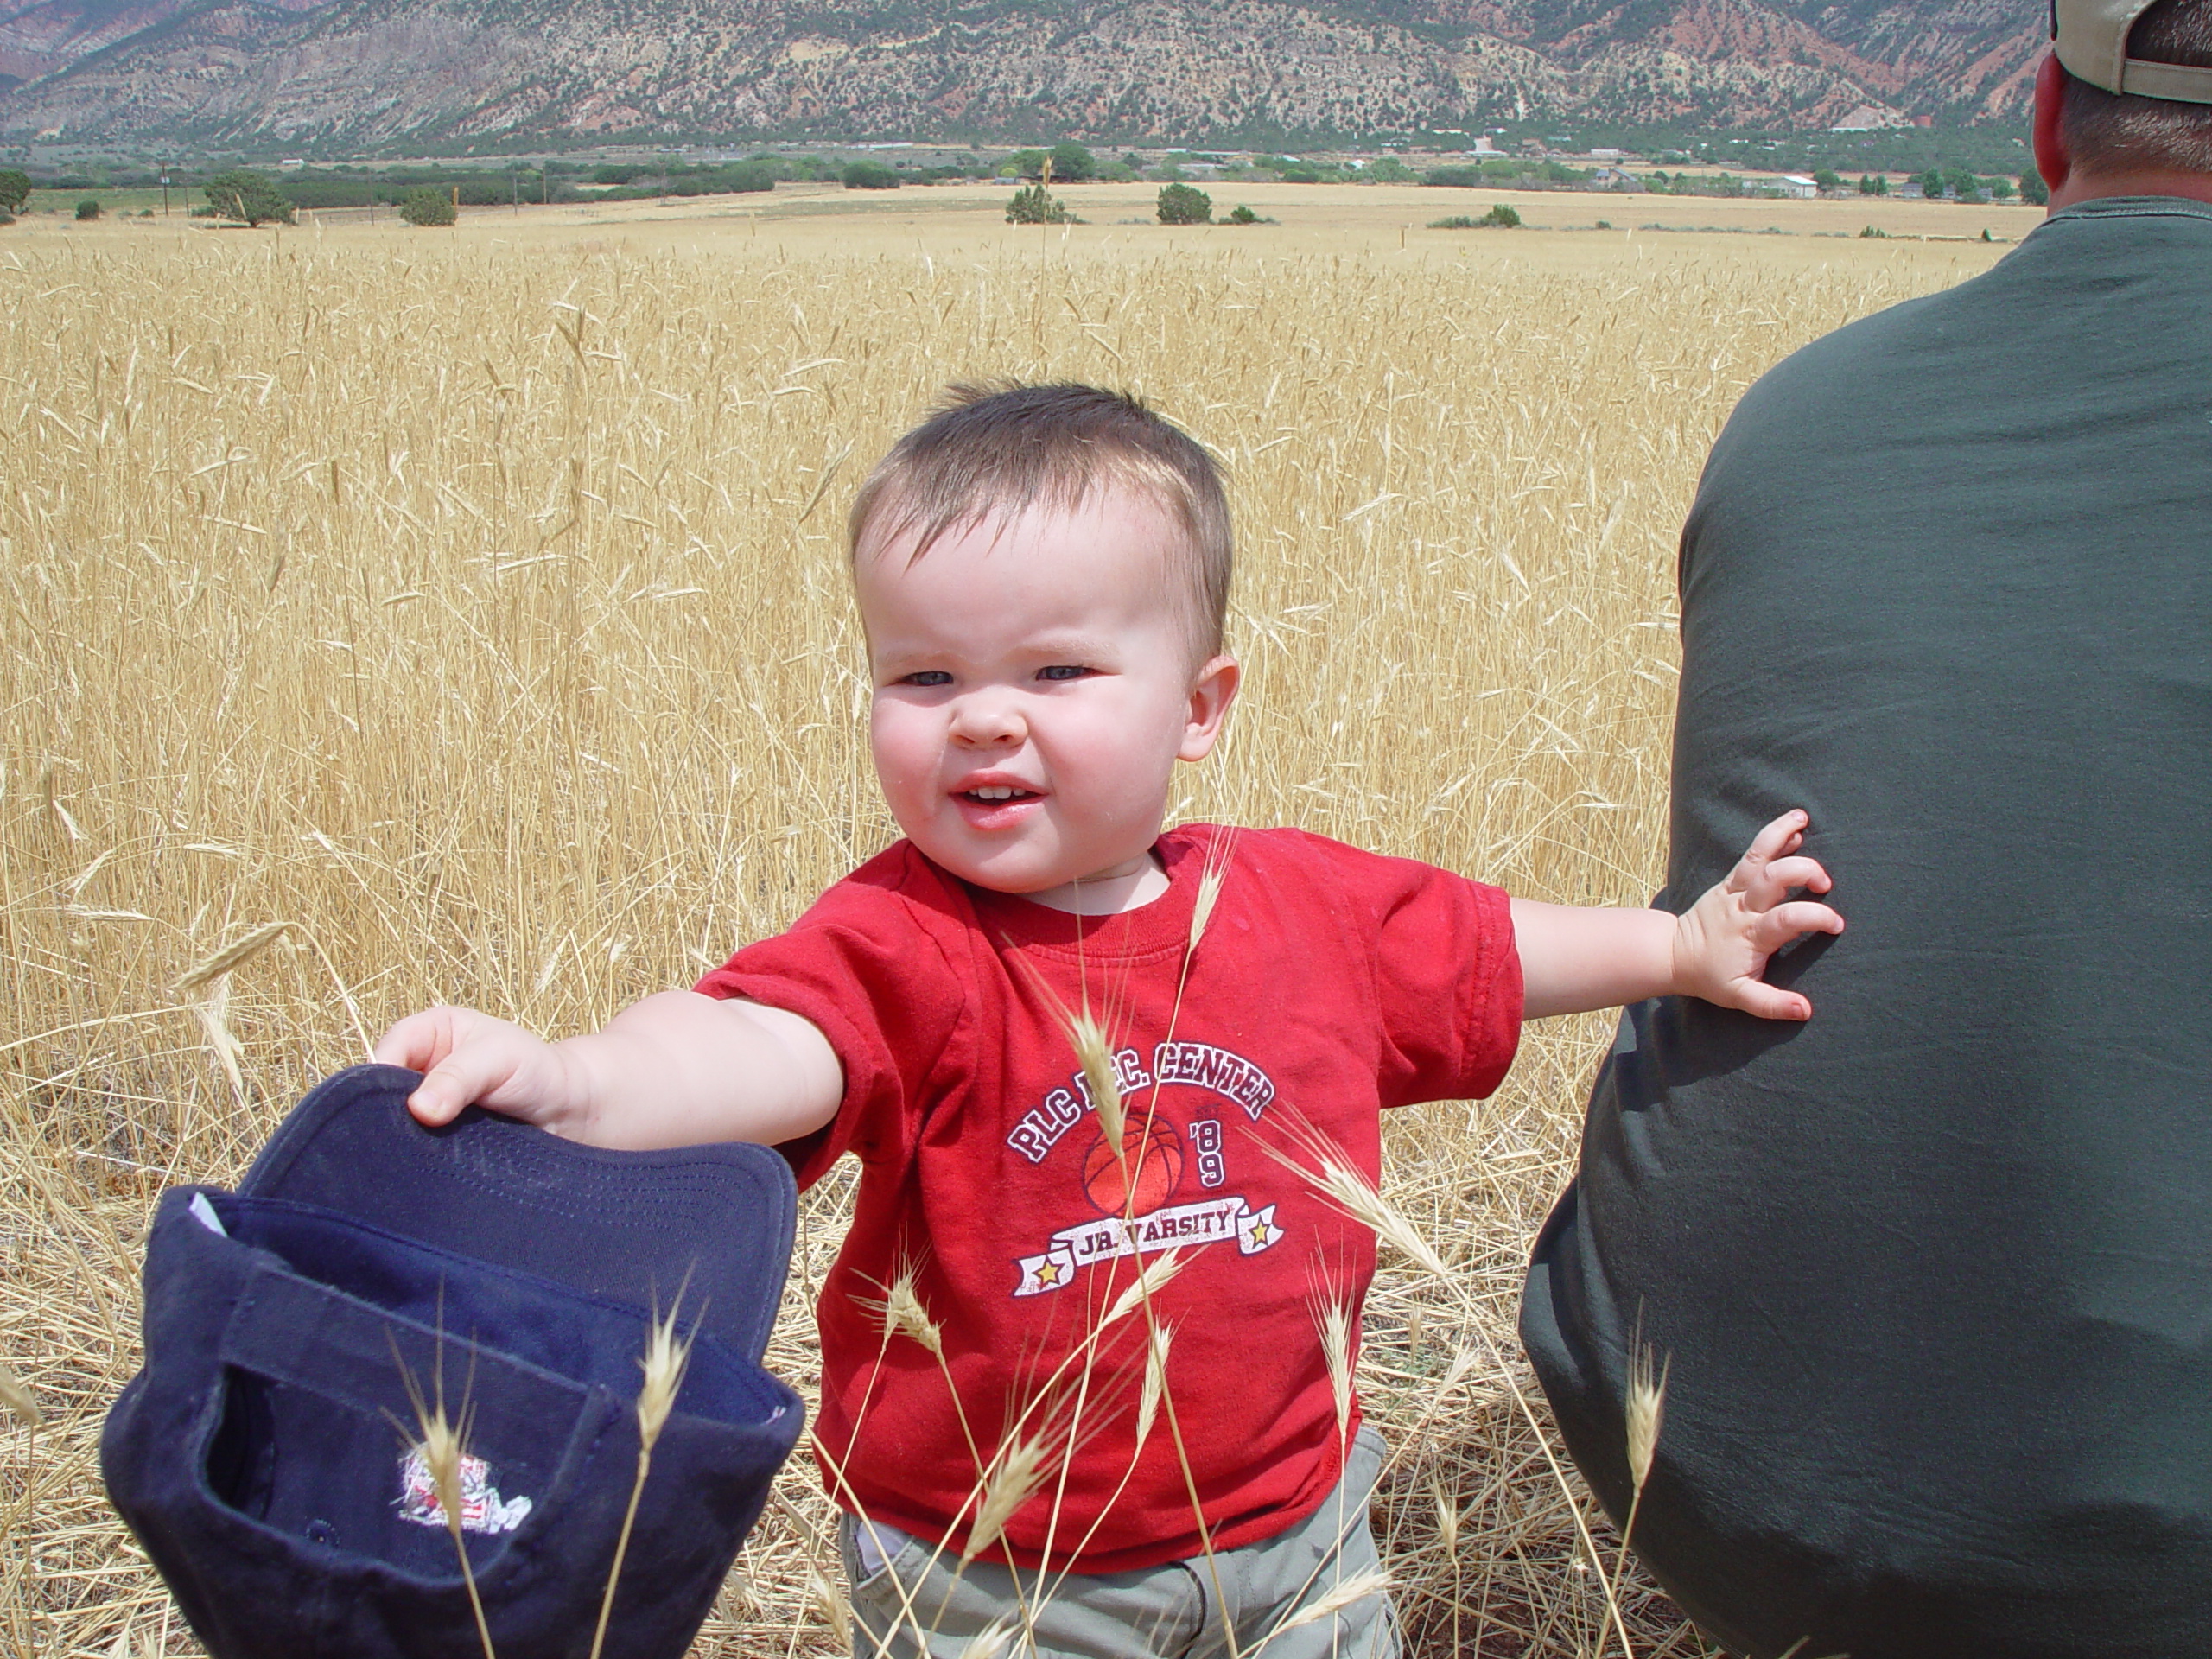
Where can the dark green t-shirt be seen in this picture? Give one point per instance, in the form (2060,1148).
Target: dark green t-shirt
(1935,1269)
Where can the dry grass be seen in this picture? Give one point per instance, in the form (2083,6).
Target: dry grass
(477,610)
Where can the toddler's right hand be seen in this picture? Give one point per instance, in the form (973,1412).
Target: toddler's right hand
(470,1059)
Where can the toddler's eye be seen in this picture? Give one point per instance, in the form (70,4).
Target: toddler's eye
(1063,671)
(926,676)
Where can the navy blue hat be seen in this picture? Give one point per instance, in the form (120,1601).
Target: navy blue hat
(262,1455)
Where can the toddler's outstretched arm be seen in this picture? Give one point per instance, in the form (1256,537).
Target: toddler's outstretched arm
(1574,959)
(678,1069)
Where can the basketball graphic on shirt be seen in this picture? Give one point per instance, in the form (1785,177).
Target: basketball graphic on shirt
(1152,1164)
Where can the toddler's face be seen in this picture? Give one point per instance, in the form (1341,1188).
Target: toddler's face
(1033,690)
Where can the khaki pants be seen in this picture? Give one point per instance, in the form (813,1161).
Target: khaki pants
(908,1605)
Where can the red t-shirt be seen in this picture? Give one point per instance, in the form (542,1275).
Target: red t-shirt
(1328,983)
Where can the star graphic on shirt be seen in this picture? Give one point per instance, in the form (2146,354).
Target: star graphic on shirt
(1259,1232)
(1048,1273)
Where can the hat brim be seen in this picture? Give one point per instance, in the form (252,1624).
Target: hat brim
(711,1224)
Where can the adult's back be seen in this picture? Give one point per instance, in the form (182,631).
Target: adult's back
(1935,1269)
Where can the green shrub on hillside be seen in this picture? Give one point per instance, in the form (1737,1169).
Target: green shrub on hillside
(1034,205)
(250,197)
(427,205)
(89,208)
(1500,218)
(14,190)
(1073,164)
(1184,204)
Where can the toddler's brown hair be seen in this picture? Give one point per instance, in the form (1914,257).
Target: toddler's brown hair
(1004,448)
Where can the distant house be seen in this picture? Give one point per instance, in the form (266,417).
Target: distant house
(1797,186)
(1613,178)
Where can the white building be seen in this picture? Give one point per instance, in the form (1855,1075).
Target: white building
(1797,186)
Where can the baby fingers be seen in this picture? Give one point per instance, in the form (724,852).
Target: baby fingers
(1771,1002)
(1775,928)
(1768,884)
(1783,836)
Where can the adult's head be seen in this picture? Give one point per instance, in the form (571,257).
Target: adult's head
(2124,102)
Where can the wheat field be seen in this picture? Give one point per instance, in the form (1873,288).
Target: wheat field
(473,602)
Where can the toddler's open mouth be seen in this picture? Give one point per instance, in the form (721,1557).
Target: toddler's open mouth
(996,804)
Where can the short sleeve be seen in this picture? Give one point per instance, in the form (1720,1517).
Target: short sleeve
(1447,978)
(866,967)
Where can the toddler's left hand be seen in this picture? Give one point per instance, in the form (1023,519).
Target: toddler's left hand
(1722,944)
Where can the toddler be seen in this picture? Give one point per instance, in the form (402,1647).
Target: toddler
(1077,1378)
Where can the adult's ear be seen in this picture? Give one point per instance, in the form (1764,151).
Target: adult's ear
(2053,159)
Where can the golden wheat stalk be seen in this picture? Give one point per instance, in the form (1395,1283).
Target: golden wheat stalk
(232,958)
(1016,1472)
(1646,1411)
(16,1395)
(664,1361)
(1139,1291)
(441,1442)
(829,1598)
(1332,1319)
(1158,1341)
(1368,1581)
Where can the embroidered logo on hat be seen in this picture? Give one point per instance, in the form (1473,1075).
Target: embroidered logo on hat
(482,1510)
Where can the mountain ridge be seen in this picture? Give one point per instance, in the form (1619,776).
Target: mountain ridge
(371,72)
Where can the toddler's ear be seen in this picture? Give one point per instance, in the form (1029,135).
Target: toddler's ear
(1211,696)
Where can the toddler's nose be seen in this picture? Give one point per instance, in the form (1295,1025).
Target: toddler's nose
(986,721)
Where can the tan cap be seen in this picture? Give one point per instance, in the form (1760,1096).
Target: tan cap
(2091,43)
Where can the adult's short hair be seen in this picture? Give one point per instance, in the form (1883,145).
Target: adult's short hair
(999,447)
(2110,132)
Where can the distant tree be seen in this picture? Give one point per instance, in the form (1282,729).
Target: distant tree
(1999,189)
(867,175)
(14,190)
(1183,203)
(1874,184)
(89,208)
(1827,179)
(1134,161)
(243,193)
(1964,186)
(1930,183)
(1501,216)
(1072,163)
(1243,215)
(1034,205)
(1388,170)
(2033,190)
(427,205)
(1023,164)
